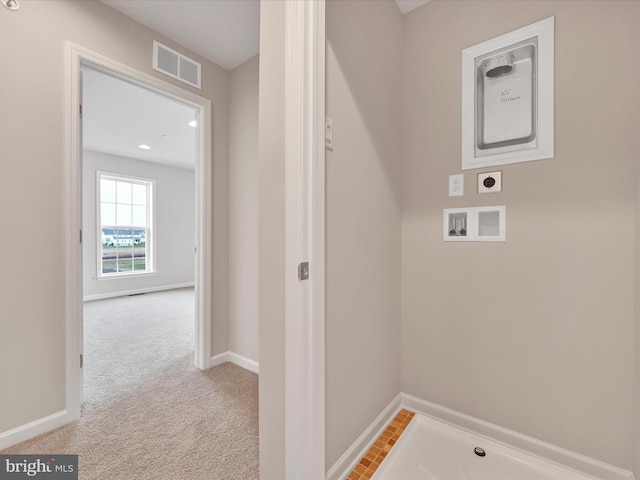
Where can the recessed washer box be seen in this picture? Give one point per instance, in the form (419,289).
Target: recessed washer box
(474,224)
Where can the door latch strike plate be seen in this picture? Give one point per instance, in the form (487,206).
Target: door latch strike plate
(303,271)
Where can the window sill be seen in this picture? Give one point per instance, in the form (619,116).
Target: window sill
(122,276)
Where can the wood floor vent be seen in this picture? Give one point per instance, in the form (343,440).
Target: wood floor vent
(377,453)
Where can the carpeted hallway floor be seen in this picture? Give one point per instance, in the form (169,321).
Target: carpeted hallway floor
(148,413)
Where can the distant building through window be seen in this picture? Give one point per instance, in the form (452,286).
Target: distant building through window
(125,237)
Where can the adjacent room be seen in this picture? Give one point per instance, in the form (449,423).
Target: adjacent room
(139,225)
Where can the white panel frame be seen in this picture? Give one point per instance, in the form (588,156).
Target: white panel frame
(304,238)
(544,30)
(75,56)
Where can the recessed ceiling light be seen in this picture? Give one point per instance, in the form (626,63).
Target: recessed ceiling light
(144,147)
(193,123)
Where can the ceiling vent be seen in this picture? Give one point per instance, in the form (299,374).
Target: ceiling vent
(176,65)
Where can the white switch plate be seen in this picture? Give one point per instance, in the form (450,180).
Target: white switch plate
(328,134)
(456,185)
(490,182)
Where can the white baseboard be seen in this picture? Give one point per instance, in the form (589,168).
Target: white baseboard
(529,445)
(236,359)
(33,429)
(137,291)
(348,461)
(244,362)
(523,443)
(219,359)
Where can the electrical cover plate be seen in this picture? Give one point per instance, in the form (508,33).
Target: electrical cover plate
(490,182)
(456,185)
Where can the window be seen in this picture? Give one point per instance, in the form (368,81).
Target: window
(125,236)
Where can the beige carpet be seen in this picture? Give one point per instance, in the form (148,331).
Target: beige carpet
(148,412)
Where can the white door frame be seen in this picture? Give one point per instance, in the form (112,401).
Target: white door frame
(304,239)
(74,57)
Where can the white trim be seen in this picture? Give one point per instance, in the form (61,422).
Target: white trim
(111,278)
(304,240)
(529,445)
(137,291)
(522,443)
(73,211)
(219,359)
(244,362)
(150,238)
(204,239)
(348,461)
(74,57)
(236,359)
(317,235)
(33,429)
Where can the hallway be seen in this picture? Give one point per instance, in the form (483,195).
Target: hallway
(148,413)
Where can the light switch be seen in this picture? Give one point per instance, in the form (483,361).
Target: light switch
(328,134)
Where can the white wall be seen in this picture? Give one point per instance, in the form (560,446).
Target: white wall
(363,180)
(33,181)
(243,210)
(174,224)
(272,243)
(535,334)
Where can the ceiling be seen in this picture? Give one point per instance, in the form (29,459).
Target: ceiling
(406,6)
(226,32)
(119,116)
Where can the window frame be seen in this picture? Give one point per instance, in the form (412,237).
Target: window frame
(150,259)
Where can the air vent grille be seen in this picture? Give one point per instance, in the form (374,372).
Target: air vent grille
(176,65)
(190,71)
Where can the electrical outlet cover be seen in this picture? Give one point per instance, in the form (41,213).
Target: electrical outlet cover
(456,185)
(490,182)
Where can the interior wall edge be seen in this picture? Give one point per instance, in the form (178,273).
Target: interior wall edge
(636,397)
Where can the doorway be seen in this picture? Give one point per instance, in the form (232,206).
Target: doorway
(138,232)
(79,59)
